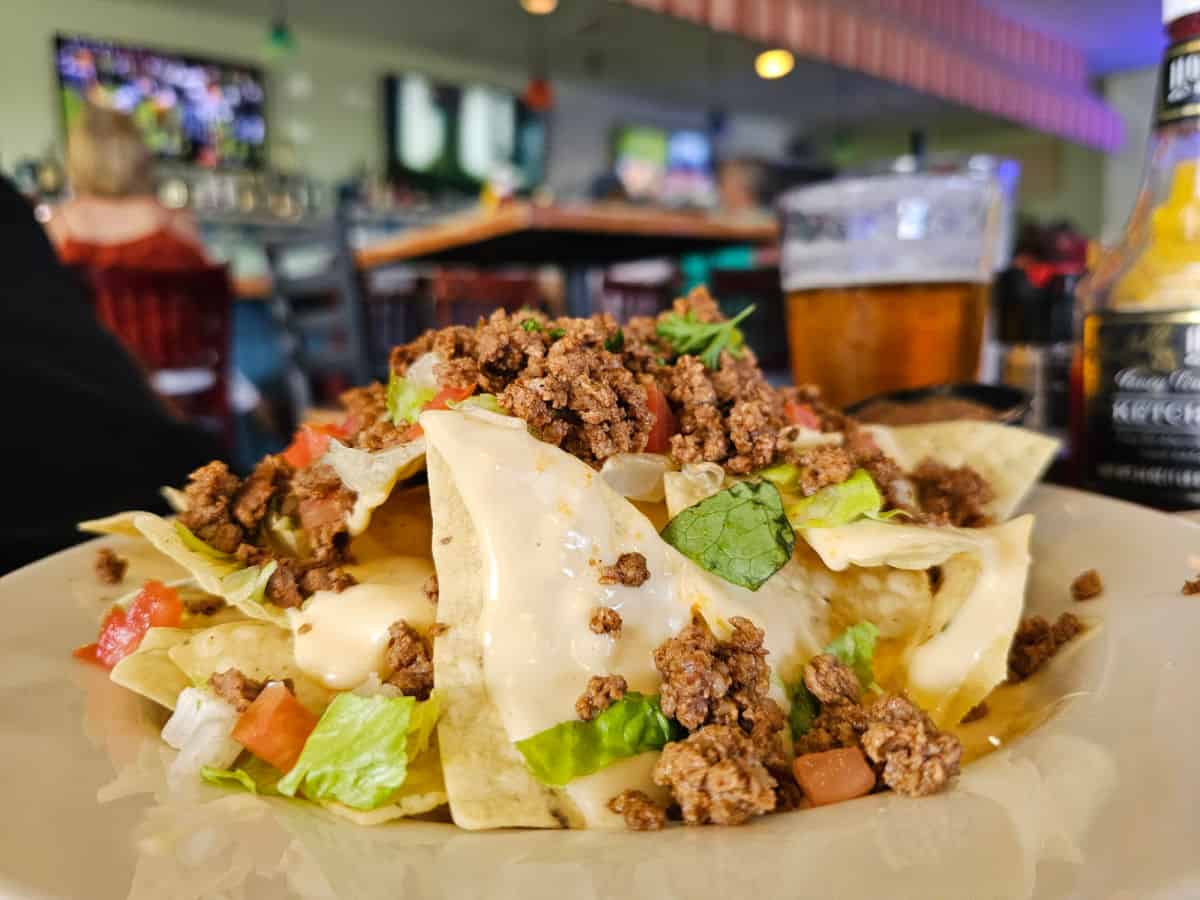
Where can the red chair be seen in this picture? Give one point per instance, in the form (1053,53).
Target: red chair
(177,325)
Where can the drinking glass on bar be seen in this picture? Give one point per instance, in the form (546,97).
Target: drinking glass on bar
(887,280)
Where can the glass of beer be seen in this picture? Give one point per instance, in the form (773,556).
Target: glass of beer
(887,280)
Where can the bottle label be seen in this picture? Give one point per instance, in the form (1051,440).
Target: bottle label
(1179,83)
(1141,379)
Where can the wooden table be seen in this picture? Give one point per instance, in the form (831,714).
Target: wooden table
(575,237)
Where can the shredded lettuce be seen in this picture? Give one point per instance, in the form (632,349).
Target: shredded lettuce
(246,589)
(482,401)
(855,647)
(196,545)
(634,724)
(253,775)
(360,752)
(406,398)
(783,475)
(839,504)
(740,534)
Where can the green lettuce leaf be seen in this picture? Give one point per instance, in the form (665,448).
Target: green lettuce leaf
(804,710)
(246,589)
(688,336)
(482,401)
(838,504)
(634,724)
(783,475)
(406,399)
(254,775)
(739,533)
(360,751)
(196,545)
(855,647)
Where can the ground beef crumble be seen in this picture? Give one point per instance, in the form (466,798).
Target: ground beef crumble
(639,811)
(917,759)
(709,683)
(952,495)
(716,776)
(430,588)
(1036,641)
(1086,586)
(109,567)
(823,466)
(1191,587)
(409,661)
(831,681)
(210,494)
(269,479)
(605,620)
(235,688)
(323,502)
(911,755)
(602,691)
(629,570)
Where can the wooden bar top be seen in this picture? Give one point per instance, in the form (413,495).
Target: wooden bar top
(534,234)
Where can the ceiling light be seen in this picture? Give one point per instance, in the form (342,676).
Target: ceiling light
(774,63)
(539,7)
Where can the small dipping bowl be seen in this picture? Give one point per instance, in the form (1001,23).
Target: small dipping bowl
(968,400)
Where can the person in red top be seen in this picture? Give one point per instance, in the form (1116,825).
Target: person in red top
(114,218)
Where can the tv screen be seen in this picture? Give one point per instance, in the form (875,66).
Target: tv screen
(191,110)
(450,135)
(670,167)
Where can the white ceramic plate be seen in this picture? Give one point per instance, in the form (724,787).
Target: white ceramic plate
(1100,801)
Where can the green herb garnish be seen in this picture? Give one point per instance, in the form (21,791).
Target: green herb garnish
(615,342)
(688,336)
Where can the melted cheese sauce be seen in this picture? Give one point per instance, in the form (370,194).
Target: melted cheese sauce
(342,638)
(546,522)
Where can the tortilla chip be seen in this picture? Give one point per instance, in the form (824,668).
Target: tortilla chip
(216,573)
(118,523)
(150,671)
(258,649)
(1011,459)
(527,527)
(373,475)
(954,658)
(486,779)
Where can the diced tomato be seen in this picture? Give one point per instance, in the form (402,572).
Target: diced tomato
(310,444)
(155,606)
(834,776)
(447,395)
(665,424)
(801,414)
(275,726)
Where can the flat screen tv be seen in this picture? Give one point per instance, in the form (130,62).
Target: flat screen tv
(191,110)
(443,135)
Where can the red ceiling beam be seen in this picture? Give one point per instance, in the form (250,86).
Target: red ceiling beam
(957,50)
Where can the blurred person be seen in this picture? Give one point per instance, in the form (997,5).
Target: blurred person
(87,436)
(114,217)
(741,186)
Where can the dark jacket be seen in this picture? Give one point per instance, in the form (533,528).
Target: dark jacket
(83,434)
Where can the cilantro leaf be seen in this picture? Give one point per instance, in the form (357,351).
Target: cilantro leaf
(568,750)
(688,336)
(556,333)
(531,325)
(615,342)
(740,533)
